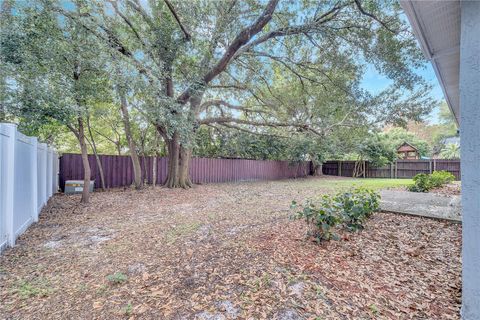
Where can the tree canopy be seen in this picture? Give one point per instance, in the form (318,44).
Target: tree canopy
(262,79)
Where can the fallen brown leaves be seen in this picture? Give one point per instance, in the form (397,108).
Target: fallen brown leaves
(221,252)
(450,189)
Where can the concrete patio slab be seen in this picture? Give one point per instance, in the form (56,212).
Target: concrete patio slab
(422,204)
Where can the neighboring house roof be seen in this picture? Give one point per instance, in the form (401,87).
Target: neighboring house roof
(436,25)
(406,147)
(449,140)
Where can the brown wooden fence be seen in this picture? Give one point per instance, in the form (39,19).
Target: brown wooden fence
(118,170)
(398,169)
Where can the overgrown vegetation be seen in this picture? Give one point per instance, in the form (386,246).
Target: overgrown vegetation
(425,182)
(349,209)
(183,78)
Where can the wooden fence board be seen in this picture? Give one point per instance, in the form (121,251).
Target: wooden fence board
(402,169)
(118,170)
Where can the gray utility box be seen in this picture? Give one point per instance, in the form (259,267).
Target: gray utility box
(76,186)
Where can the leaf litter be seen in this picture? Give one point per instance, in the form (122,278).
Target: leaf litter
(225,251)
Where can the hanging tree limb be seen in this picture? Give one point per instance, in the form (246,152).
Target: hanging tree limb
(175,15)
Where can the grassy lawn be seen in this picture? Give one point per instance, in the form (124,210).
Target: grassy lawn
(227,251)
(375,184)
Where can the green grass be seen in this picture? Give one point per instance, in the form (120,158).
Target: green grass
(374,184)
(38,287)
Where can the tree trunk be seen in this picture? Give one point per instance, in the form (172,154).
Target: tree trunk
(155,161)
(97,158)
(318,169)
(173,146)
(119,148)
(154,171)
(178,164)
(86,164)
(184,175)
(137,169)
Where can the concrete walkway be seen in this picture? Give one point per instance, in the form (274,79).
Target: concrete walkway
(421,204)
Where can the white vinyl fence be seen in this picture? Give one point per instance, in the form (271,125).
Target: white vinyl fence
(28,178)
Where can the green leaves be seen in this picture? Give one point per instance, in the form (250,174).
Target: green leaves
(350,209)
(426,182)
(357,206)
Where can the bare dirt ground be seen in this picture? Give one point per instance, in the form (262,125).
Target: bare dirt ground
(225,251)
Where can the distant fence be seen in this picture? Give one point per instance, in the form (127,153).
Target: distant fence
(28,178)
(398,169)
(118,170)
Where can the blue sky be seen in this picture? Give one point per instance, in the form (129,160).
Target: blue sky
(375,82)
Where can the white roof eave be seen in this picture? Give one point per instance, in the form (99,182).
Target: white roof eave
(436,25)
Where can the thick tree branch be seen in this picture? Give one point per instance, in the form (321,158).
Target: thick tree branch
(230,126)
(241,39)
(227,120)
(223,103)
(292,30)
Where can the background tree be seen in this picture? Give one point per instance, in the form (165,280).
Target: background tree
(229,62)
(58,74)
(450,151)
(397,136)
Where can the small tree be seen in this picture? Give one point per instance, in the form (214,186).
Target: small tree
(59,74)
(450,151)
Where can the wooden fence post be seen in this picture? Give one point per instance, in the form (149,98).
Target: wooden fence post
(430,166)
(434,165)
(396,169)
(340,168)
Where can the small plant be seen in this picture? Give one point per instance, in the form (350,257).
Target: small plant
(35,288)
(128,309)
(321,219)
(425,182)
(357,206)
(117,278)
(422,183)
(373,308)
(439,178)
(349,208)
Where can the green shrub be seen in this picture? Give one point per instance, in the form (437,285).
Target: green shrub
(321,219)
(351,209)
(356,207)
(425,182)
(439,178)
(422,183)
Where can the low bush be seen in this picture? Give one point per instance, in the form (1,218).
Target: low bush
(439,178)
(356,206)
(349,209)
(425,182)
(321,218)
(422,183)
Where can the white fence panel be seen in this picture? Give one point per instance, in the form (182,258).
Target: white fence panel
(28,177)
(41,175)
(23,196)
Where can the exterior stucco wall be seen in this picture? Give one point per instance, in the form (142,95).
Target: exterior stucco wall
(470,156)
